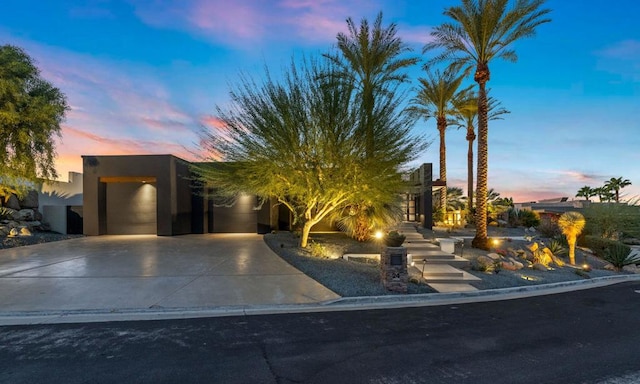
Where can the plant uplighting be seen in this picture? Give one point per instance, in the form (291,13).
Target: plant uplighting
(378,235)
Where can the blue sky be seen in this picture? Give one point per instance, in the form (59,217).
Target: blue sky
(142,76)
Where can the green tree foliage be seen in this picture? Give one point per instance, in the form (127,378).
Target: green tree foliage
(437,96)
(586,192)
(615,185)
(299,141)
(371,58)
(479,32)
(31,111)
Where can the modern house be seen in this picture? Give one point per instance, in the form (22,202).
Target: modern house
(158,194)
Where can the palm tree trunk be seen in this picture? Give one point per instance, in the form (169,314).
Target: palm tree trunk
(481,239)
(471,136)
(442,126)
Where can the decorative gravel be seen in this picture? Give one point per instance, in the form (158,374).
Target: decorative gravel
(36,238)
(346,278)
(357,278)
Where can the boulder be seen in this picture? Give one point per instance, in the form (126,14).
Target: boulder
(509,266)
(13,203)
(25,232)
(540,267)
(25,215)
(13,232)
(38,216)
(516,263)
(494,256)
(4,230)
(533,247)
(30,200)
(632,268)
(33,224)
(557,261)
(512,252)
(609,267)
(484,262)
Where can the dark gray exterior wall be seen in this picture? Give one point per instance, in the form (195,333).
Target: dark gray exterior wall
(173,192)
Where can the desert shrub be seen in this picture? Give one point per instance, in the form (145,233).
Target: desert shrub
(557,248)
(318,250)
(528,218)
(438,215)
(5,213)
(599,245)
(612,220)
(548,227)
(618,255)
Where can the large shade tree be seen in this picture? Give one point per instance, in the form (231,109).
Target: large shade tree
(479,32)
(372,58)
(298,141)
(437,97)
(31,111)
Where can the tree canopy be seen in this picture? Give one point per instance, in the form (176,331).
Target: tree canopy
(31,111)
(297,140)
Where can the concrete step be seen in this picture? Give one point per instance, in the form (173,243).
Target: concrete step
(455,261)
(452,287)
(443,274)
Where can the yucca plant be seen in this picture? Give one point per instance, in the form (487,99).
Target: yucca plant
(619,255)
(557,248)
(571,224)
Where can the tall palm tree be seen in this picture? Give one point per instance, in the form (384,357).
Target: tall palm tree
(371,58)
(466,115)
(571,224)
(604,194)
(615,185)
(481,31)
(587,192)
(437,96)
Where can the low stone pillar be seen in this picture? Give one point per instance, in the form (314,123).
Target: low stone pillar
(393,269)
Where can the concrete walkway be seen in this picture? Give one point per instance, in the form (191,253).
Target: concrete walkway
(111,273)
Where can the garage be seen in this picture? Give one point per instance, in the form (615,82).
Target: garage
(131,206)
(241,217)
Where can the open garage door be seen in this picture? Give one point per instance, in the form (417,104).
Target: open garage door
(131,207)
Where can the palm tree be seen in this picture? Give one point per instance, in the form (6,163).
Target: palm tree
(455,198)
(437,96)
(465,117)
(370,58)
(604,194)
(483,30)
(571,224)
(615,185)
(586,192)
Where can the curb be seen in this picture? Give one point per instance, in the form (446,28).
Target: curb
(343,304)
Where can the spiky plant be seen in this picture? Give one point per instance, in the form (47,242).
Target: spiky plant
(571,224)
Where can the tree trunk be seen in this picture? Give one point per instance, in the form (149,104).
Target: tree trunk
(471,136)
(304,237)
(572,250)
(442,126)
(481,240)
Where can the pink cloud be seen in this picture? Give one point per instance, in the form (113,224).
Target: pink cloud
(242,23)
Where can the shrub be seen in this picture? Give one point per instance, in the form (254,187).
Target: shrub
(318,250)
(611,220)
(394,239)
(528,218)
(549,227)
(600,245)
(557,248)
(618,255)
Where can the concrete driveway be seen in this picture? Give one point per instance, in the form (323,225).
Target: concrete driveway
(140,272)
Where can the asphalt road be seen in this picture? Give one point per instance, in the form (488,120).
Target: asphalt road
(589,336)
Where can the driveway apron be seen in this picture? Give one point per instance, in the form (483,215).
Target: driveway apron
(139,272)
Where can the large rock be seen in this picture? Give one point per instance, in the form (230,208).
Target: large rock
(494,256)
(516,263)
(30,200)
(25,232)
(540,267)
(509,266)
(13,203)
(484,263)
(24,215)
(631,268)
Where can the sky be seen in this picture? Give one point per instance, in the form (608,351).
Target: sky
(145,76)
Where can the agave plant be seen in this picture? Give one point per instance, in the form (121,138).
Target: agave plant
(619,255)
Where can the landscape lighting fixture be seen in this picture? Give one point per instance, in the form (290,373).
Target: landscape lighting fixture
(378,235)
